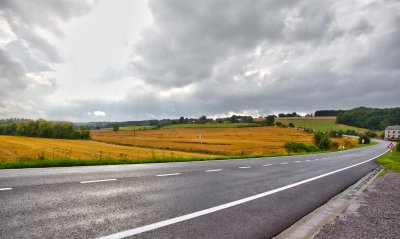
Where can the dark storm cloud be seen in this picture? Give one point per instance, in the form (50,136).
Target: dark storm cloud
(23,16)
(12,75)
(272,55)
(218,57)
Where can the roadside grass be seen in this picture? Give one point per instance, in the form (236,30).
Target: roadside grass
(390,160)
(318,123)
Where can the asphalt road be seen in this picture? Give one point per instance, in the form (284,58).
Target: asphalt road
(246,198)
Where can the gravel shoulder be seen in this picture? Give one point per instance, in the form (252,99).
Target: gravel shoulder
(374,214)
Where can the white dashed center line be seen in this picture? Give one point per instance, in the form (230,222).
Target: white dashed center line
(168,174)
(266,165)
(101,180)
(178,219)
(284,163)
(297,161)
(245,167)
(316,159)
(308,160)
(213,170)
(4,189)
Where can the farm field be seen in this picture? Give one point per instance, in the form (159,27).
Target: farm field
(15,148)
(217,141)
(318,123)
(123,128)
(209,125)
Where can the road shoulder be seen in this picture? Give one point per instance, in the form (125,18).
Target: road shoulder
(311,224)
(374,214)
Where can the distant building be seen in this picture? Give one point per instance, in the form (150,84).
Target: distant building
(392,132)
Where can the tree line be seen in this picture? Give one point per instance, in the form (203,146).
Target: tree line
(370,118)
(45,129)
(327,112)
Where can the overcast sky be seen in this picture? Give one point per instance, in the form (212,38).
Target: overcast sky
(132,60)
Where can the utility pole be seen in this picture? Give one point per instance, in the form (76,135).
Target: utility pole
(201,142)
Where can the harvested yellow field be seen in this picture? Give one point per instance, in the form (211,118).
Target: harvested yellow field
(225,141)
(13,148)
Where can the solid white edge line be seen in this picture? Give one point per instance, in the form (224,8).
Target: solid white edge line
(4,189)
(100,180)
(213,170)
(167,222)
(168,174)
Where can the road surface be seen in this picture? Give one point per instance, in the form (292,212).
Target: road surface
(246,198)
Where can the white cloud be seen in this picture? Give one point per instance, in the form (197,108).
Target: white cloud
(96,113)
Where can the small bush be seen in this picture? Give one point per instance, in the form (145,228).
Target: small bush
(398,145)
(351,132)
(322,141)
(291,125)
(371,134)
(295,147)
(308,130)
(278,123)
(364,139)
(336,134)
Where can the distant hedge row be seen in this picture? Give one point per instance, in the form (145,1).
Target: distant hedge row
(45,129)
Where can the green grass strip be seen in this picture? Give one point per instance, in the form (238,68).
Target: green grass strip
(390,160)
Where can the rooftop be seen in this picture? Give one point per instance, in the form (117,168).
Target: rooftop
(395,127)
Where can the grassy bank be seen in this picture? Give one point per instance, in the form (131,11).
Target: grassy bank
(390,160)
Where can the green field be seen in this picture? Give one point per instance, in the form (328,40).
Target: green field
(214,125)
(127,128)
(318,123)
(315,123)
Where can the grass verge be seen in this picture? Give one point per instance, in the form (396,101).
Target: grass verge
(390,160)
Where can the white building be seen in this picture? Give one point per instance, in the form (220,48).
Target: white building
(392,132)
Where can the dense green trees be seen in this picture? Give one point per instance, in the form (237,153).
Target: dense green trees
(270,120)
(45,129)
(370,118)
(327,112)
(294,114)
